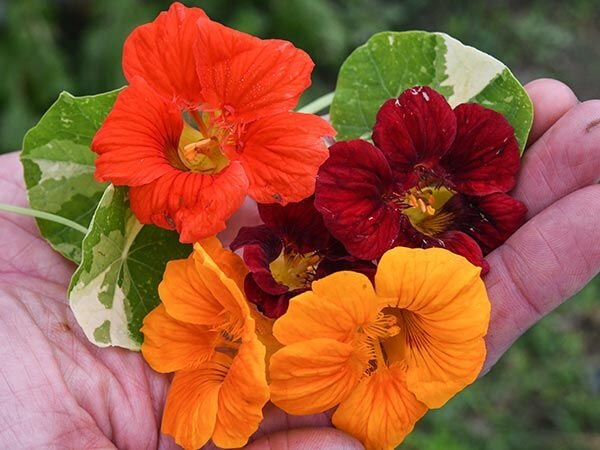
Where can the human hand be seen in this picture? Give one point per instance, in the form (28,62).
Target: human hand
(73,394)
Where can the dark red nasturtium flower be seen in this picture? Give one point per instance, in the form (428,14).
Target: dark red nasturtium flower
(290,250)
(436,177)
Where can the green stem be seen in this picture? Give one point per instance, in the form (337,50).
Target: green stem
(318,105)
(43,215)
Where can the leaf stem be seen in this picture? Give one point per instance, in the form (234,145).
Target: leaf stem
(43,215)
(318,105)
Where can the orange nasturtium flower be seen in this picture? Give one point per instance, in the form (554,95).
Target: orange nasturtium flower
(384,355)
(205,121)
(204,332)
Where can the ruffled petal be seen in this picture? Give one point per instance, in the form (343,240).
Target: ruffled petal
(299,224)
(313,376)
(443,312)
(416,128)
(248,78)
(162,53)
(231,264)
(271,305)
(282,154)
(381,411)
(337,305)
(196,205)
(190,412)
(137,142)
(490,219)
(484,157)
(351,191)
(171,345)
(242,396)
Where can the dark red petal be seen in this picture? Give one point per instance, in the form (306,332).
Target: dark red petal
(485,155)
(162,53)
(351,195)
(452,240)
(261,247)
(137,142)
(270,305)
(328,266)
(490,220)
(299,225)
(417,128)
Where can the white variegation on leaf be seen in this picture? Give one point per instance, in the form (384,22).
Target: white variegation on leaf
(123,261)
(59,167)
(391,62)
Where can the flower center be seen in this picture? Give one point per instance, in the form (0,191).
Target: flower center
(425,209)
(295,270)
(369,341)
(199,150)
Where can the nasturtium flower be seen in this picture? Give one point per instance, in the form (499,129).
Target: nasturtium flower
(206,120)
(204,331)
(436,177)
(288,252)
(385,354)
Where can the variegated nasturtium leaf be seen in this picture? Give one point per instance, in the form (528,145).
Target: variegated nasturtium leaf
(123,262)
(391,62)
(59,166)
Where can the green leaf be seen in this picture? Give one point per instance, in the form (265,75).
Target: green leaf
(391,62)
(59,166)
(123,262)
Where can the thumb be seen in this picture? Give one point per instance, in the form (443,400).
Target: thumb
(306,439)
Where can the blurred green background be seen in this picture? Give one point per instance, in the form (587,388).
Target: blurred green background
(545,393)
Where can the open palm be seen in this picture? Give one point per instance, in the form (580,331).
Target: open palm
(59,391)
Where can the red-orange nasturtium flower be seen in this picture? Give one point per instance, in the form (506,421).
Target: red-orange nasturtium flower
(205,121)
(205,332)
(385,354)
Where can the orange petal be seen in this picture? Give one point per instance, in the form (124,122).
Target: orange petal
(248,78)
(231,264)
(170,345)
(190,412)
(313,376)
(137,138)
(196,205)
(264,331)
(443,311)
(161,52)
(243,394)
(381,411)
(337,305)
(282,155)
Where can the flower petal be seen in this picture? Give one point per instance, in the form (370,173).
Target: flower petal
(416,128)
(231,264)
(282,154)
(484,157)
(196,205)
(271,305)
(444,312)
(380,411)
(350,194)
(336,306)
(313,376)
(137,142)
(490,219)
(242,396)
(298,224)
(162,53)
(171,345)
(246,77)
(190,412)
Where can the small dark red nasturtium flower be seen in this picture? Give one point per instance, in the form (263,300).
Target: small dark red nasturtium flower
(290,250)
(435,177)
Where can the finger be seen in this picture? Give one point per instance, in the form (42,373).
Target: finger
(549,259)
(551,100)
(564,159)
(306,439)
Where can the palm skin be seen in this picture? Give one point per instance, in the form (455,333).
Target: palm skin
(59,391)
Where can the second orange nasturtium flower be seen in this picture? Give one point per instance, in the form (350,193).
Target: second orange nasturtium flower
(205,333)
(385,354)
(205,121)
